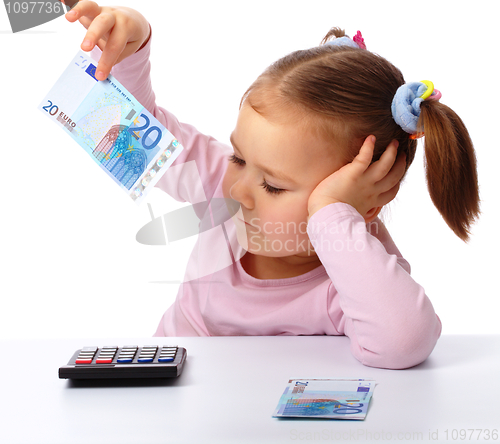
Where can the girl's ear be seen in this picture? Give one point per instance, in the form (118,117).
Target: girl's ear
(371,214)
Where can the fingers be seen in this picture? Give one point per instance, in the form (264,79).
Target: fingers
(117,31)
(386,173)
(391,181)
(99,27)
(91,16)
(379,169)
(385,198)
(362,161)
(84,8)
(115,45)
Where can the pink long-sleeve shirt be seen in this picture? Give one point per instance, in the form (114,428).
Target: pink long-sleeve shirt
(363,288)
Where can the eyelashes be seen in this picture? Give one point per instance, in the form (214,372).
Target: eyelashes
(269,189)
(236,160)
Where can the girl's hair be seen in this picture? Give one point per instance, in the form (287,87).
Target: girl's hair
(345,94)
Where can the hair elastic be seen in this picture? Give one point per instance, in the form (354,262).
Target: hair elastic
(356,42)
(406,104)
(358,38)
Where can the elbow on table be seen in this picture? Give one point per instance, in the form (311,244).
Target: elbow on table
(401,353)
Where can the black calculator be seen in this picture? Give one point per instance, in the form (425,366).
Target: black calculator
(129,361)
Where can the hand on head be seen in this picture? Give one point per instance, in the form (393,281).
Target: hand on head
(118,31)
(364,185)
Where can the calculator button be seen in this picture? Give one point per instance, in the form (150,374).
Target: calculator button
(104,361)
(165,359)
(94,349)
(144,359)
(83,361)
(124,360)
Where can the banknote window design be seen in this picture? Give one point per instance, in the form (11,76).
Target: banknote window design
(120,157)
(318,407)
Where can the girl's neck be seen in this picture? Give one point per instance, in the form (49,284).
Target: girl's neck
(264,267)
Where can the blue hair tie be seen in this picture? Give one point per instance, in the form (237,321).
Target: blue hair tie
(406,105)
(343,41)
(357,41)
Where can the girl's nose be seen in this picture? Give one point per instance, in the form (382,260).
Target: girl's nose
(240,192)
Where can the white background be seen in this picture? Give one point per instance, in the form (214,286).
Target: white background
(71,266)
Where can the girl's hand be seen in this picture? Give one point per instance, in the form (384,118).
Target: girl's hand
(118,31)
(363,186)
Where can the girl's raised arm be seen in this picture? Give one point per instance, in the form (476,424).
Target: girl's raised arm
(118,31)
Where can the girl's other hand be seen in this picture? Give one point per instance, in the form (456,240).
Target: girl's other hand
(364,185)
(118,31)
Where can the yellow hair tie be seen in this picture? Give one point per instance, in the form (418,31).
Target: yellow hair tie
(430,89)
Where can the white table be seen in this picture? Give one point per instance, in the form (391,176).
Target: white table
(231,385)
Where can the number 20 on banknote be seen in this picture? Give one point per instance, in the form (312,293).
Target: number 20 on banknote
(108,122)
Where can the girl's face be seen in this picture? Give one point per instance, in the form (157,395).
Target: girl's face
(273,171)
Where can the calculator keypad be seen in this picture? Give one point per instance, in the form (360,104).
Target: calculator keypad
(128,354)
(167,354)
(106,355)
(86,355)
(130,361)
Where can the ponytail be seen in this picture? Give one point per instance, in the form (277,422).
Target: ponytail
(450,167)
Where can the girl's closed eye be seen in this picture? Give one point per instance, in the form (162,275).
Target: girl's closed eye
(269,188)
(236,160)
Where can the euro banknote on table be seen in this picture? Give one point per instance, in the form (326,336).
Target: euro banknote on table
(108,122)
(326,398)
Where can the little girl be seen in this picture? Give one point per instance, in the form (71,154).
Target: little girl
(323,139)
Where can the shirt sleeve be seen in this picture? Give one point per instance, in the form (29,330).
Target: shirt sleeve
(386,314)
(196,173)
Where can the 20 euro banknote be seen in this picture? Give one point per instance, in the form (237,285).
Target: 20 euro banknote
(109,123)
(326,398)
